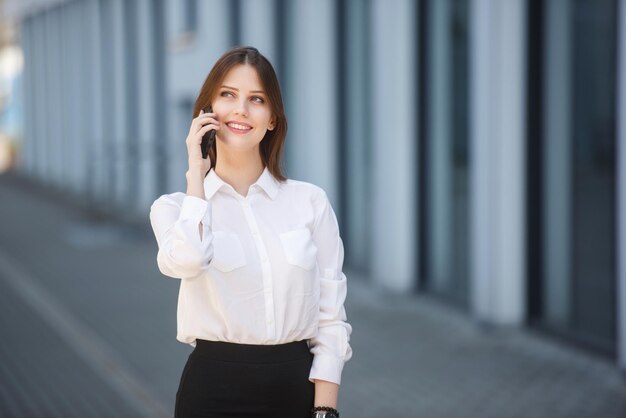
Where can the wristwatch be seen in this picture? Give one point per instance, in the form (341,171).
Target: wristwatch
(324,414)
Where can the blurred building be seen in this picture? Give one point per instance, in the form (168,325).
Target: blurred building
(11,70)
(472,149)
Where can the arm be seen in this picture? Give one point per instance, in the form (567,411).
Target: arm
(195,187)
(326,393)
(184,249)
(330,347)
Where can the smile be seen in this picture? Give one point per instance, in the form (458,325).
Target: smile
(235,127)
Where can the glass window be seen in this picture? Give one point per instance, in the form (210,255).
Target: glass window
(576,204)
(353,78)
(444,149)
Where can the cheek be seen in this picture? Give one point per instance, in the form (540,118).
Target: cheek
(221,108)
(263,117)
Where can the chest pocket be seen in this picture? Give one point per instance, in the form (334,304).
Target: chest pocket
(228,253)
(299,248)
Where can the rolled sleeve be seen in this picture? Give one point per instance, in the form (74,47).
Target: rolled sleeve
(196,210)
(182,252)
(330,347)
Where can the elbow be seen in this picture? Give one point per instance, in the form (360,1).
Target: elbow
(186,265)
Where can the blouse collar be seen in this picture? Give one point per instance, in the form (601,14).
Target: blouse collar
(266,181)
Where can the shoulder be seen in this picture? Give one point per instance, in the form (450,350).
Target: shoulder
(304,189)
(310,194)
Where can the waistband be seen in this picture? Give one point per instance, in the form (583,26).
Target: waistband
(252,353)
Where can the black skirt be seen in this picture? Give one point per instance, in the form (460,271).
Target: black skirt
(223,379)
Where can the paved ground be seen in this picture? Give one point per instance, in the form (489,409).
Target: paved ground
(88,330)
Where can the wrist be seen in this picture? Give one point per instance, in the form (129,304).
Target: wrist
(324,411)
(195,184)
(194,175)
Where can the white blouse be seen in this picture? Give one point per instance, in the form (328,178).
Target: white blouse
(267,269)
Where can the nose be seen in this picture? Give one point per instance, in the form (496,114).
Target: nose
(242,108)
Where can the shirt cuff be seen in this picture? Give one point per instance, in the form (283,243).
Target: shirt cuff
(196,209)
(326,367)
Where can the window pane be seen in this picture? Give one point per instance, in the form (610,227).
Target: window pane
(579,196)
(445,151)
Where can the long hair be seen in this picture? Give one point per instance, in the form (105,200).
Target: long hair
(271,146)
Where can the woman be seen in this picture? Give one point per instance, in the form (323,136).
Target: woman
(259,257)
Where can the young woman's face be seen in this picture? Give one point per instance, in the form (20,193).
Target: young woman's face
(242,108)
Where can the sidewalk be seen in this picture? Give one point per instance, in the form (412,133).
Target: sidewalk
(88,326)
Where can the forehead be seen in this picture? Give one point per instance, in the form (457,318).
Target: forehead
(243,76)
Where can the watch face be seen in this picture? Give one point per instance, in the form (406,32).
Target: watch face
(330,415)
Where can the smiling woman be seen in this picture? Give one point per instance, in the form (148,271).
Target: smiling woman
(259,257)
(242,88)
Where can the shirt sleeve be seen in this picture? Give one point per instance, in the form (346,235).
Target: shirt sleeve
(330,347)
(182,252)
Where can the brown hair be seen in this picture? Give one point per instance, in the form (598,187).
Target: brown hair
(271,146)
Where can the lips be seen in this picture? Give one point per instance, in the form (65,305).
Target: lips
(240,126)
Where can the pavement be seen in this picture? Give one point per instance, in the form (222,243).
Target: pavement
(88,329)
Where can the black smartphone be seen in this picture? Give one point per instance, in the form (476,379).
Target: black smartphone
(208,138)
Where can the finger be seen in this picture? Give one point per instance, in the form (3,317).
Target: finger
(201,119)
(211,122)
(205,115)
(207,128)
(203,122)
(197,137)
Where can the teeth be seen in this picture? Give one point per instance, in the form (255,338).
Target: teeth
(237,126)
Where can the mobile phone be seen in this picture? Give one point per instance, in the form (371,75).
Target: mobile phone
(208,138)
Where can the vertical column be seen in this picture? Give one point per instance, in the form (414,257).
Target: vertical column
(73,114)
(120,110)
(53,156)
(621,188)
(26,157)
(313,142)
(46,173)
(131,157)
(66,92)
(60,143)
(481,212)
(394,142)
(159,105)
(96,149)
(440,144)
(358,104)
(83,125)
(107,80)
(147,115)
(497,92)
(557,164)
(39,130)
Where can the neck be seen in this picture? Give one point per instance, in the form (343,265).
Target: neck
(240,170)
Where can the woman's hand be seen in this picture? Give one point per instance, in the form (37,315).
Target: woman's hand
(200,125)
(198,166)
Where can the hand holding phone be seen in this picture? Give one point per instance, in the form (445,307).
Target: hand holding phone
(208,138)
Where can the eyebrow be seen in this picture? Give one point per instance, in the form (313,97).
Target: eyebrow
(253,91)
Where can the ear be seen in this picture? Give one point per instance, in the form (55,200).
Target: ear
(272,125)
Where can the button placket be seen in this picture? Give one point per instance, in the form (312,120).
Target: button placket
(265,266)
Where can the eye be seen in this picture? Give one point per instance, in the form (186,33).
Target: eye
(225,92)
(260,99)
